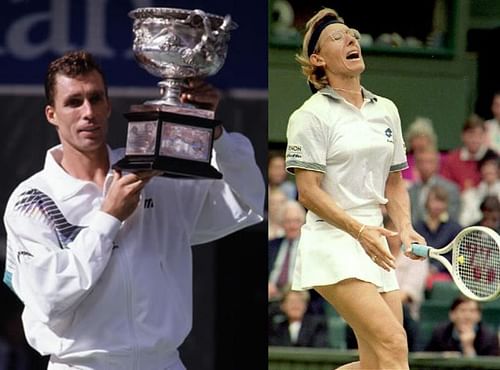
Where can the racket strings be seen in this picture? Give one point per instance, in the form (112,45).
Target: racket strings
(477,263)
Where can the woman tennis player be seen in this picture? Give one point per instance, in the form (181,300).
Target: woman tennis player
(346,150)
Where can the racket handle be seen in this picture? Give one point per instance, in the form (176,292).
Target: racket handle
(420,250)
(417,249)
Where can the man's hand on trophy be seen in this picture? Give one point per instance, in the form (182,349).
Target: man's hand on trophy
(201,94)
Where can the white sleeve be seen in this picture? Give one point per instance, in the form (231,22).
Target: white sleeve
(307,145)
(399,161)
(49,279)
(236,201)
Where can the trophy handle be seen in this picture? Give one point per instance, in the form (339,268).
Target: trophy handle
(209,34)
(225,26)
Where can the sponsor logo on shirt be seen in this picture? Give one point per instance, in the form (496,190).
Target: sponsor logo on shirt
(388,134)
(294,151)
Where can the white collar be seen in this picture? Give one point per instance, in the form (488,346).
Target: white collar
(465,155)
(64,184)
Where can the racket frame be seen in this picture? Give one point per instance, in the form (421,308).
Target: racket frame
(437,254)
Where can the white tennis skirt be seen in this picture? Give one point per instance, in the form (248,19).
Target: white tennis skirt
(327,255)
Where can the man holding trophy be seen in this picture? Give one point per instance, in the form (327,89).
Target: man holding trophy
(101,257)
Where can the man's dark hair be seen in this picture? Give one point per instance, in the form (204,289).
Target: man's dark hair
(490,203)
(473,121)
(462,299)
(71,64)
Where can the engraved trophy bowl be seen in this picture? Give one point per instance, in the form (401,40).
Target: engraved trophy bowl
(178,44)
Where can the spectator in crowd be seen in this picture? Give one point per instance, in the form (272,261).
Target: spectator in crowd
(438,229)
(419,136)
(490,210)
(472,197)
(282,250)
(461,164)
(427,165)
(277,200)
(464,332)
(277,175)
(293,327)
(493,125)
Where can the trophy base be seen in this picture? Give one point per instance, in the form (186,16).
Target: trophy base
(176,141)
(170,167)
(161,106)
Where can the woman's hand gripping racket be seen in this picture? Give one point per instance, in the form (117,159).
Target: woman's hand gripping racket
(475,266)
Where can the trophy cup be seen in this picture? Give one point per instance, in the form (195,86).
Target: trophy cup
(166,134)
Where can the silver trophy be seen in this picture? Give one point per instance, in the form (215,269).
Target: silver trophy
(165,134)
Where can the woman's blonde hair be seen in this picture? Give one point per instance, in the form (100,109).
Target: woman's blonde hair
(315,75)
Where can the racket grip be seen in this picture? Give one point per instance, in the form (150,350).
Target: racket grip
(420,250)
(417,249)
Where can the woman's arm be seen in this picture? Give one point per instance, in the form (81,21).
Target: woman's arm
(398,209)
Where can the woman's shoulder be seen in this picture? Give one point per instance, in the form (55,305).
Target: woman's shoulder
(386,102)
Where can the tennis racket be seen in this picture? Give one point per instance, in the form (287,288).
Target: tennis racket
(475,262)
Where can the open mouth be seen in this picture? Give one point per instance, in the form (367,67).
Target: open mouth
(353,55)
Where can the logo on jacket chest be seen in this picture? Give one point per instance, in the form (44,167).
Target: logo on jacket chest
(148,203)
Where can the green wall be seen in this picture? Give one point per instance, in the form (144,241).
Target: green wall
(438,87)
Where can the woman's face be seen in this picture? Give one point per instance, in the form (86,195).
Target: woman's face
(465,315)
(339,51)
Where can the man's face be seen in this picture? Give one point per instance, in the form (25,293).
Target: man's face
(473,139)
(292,221)
(295,306)
(80,112)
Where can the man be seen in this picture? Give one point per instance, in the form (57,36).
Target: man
(427,164)
(282,251)
(106,281)
(293,327)
(461,164)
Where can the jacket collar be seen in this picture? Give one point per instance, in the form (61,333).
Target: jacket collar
(65,185)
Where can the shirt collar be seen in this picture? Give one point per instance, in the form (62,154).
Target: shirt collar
(327,90)
(65,185)
(465,155)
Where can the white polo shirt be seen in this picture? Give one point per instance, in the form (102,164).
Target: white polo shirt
(355,148)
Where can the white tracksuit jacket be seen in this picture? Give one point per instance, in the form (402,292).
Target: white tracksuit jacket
(101,294)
